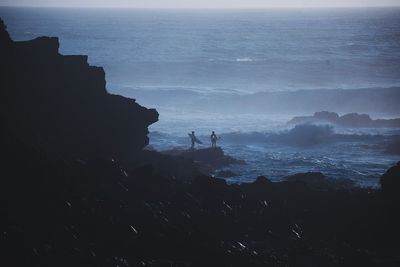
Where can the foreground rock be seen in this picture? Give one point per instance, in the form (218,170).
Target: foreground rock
(353,120)
(318,181)
(390,182)
(99,213)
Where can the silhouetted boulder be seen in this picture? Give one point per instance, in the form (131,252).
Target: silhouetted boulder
(60,104)
(390,182)
(307,135)
(393,146)
(260,187)
(262,181)
(212,157)
(207,185)
(168,166)
(318,181)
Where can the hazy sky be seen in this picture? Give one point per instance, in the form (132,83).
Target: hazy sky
(201,3)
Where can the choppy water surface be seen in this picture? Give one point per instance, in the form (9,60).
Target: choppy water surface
(358,157)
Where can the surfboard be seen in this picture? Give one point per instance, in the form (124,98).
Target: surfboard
(196,140)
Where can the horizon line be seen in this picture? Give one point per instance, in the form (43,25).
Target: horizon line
(201,8)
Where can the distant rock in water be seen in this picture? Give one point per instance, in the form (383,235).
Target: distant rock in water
(393,147)
(60,104)
(353,120)
(305,135)
(308,135)
(213,158)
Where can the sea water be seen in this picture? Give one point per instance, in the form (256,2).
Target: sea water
(243,50)
(191,56)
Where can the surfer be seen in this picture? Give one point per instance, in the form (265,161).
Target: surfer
(194,140)
(214,139)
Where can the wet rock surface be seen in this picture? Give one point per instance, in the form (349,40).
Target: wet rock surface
(208,158)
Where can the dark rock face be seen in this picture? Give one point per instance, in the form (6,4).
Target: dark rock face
(64,213)
(393,147)
(5,39)
(318,181)
(211,158)
(60,103)
(353,120)
(390,182)
(308,135)
(326,115)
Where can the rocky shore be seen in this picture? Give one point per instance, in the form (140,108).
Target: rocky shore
(206,159)
(78,190)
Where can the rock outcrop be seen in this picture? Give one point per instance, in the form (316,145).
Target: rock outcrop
(393,146)
(98,213)
(60,104)
(209,159)
(352,120)
(318,181)
(390,182)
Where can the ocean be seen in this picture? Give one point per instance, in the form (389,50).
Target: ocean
(243,50)
(190,64)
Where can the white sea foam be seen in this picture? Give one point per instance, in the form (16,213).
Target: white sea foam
(244,59)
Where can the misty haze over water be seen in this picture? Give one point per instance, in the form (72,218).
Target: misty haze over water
(231,70)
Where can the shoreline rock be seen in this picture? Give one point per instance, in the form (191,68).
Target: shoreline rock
(209,159)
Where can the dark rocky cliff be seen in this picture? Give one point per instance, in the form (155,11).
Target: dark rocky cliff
(59,104)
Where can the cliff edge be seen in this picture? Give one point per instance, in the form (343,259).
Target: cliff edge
(60,105)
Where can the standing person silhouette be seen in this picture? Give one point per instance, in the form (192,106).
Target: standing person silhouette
(214,139)
(192,139)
